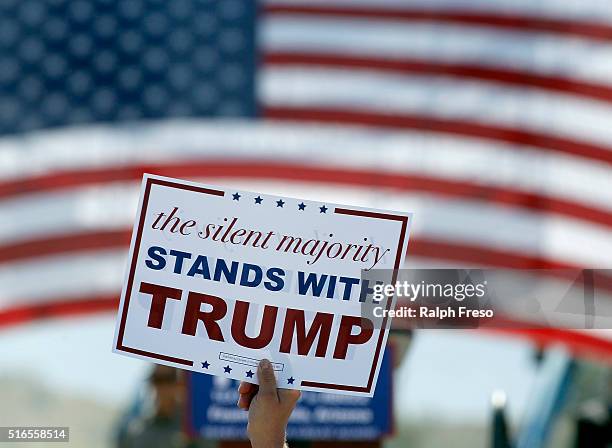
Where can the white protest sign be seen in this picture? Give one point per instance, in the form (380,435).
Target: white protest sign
(219,279)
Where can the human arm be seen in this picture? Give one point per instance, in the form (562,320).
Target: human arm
(269,408)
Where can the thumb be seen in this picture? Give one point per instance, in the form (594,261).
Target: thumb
(267,380)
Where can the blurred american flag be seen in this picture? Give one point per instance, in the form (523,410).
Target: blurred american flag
(490,120)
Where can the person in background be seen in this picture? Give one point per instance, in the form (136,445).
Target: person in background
(162,427)
(594,423)
(269,408)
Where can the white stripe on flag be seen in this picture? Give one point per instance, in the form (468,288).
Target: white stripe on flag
(436,97)
(62,277)
(423,154)
(535,52)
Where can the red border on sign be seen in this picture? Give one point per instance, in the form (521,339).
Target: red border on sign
(341,211)
(130,283)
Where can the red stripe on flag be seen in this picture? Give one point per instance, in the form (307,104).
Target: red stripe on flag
(64,244)
(57,308)
(296,172)
(465,253)
(421,247)
(503,76)
(580,344)
(465,128)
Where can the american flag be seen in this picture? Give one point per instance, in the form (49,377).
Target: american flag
(491,121)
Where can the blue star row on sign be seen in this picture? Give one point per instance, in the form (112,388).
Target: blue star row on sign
(249,373)
(279,203)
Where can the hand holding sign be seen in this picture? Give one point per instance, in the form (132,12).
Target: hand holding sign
(219,280)
(269,407)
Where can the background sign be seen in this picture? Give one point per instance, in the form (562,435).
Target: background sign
(212,412)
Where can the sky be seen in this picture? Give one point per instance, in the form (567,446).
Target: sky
(446,375)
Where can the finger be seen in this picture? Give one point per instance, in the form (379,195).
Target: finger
(267,380)
(246,393)
(244,401)
(246,388)
(289,396)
